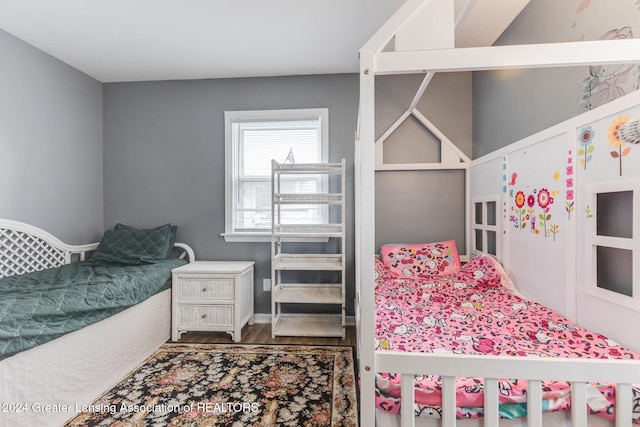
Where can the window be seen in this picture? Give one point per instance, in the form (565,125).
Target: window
(613,252)
(253,139)
(485,225)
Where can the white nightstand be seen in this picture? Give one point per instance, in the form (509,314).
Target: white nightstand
(212,296)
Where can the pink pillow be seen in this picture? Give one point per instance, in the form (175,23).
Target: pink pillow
(421,259)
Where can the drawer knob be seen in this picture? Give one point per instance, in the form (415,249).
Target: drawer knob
(204,316)
(204,289)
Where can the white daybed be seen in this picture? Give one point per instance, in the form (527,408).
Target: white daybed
(389,52)
(42,386)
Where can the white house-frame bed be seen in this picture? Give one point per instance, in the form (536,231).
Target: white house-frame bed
(437,54)
(42,386)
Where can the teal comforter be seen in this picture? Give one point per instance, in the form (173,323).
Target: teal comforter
(41,306)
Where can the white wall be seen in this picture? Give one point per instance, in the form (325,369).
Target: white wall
(553,268)
(603,167)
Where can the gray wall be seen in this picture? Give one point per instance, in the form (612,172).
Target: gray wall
(50,143)
(510,105)
(162,159)
(164,155)
(422,206)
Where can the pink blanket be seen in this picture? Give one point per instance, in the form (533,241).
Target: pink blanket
(478,311)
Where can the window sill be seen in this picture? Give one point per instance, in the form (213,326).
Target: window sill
(262,237)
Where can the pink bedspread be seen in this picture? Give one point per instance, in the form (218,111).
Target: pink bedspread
(478,311)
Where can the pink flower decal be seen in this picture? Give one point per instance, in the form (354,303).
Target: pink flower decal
(531,200)
(569,202)
(544,198)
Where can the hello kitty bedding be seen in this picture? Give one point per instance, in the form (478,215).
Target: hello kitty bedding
(426,302)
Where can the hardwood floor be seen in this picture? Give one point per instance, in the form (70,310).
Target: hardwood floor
(260,333)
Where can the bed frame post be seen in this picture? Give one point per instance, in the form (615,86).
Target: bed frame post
(365,237)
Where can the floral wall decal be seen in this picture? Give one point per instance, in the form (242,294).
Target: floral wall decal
(569,195)
(610,81)
(586,148)
(544,201)
(588,212)
(538,188)
(531,201)
(520,210)
(614,139)
(524,209)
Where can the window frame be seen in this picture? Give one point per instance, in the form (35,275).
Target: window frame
(593,240)
(230,117)
(484,227)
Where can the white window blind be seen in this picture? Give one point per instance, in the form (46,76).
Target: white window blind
(253,139)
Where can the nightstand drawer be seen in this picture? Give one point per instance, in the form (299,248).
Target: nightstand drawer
(205,315)
(206,288)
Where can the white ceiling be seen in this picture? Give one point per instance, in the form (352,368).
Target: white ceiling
(133,40)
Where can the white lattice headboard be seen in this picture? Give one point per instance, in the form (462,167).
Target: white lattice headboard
(25,248)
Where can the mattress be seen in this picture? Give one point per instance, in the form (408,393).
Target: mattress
(477,310)
(41,306)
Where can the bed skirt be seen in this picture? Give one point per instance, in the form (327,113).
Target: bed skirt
(44,386)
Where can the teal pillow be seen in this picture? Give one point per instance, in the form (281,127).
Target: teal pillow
(131,246)
(172,240)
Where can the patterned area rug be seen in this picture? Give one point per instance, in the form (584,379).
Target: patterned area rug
(232,385)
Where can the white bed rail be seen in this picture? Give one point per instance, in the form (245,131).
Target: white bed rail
(187,251)
(25,248)
(579,372)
